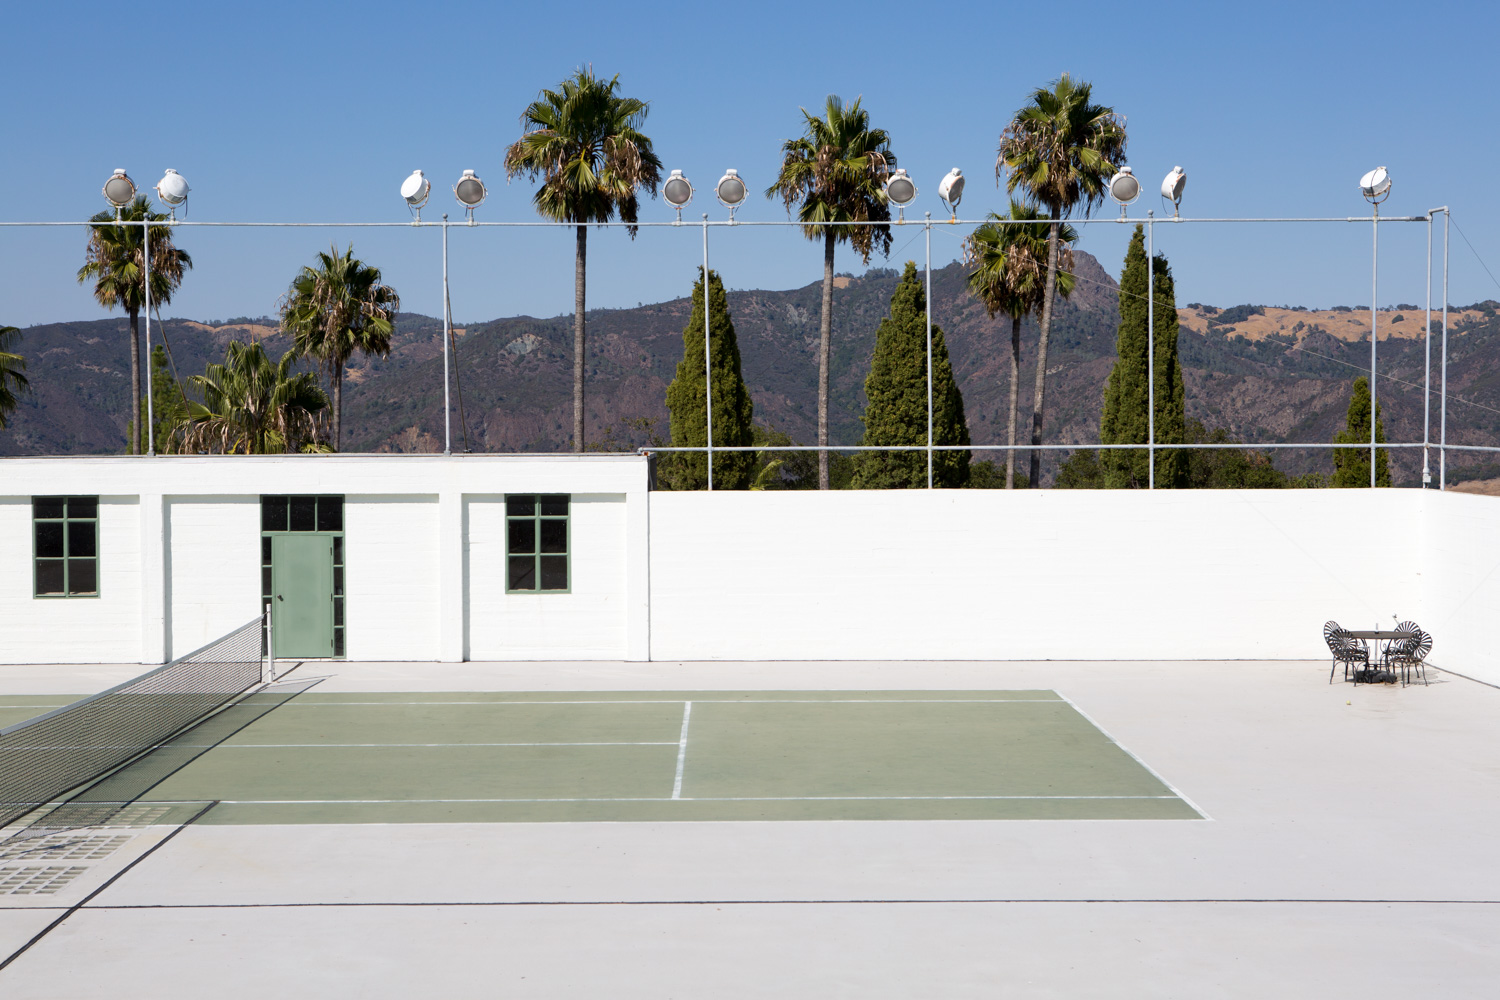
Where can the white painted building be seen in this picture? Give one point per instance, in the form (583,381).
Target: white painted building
(426,565)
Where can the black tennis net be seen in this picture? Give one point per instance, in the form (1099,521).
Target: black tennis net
(42,758)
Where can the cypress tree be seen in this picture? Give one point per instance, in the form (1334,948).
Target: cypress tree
(168,405)
(686,401)
(1125,396)
(897,392)
(1351,466)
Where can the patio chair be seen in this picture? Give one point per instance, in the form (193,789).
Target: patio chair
(1397,647)
(1412,656)
(1345,649)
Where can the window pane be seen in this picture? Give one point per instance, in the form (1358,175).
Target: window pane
(330,513)
(522,537)
(554,572)
(520,506)
(49,539)
(47,507)
(304,513)
(338,581)
(554,536)
(265,582)
(338,612)
(338,642)
(83,576)
(555,504)
(81,538)
(49,576)
(265,552)
(83,506)
(522,572)
(338,550)
(273,513)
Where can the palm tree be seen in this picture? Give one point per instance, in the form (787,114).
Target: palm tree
(1060,149)
(835,172)
(253,407)
(335,309)
(1008,276)
(115,261)
(11,379)
(584,141)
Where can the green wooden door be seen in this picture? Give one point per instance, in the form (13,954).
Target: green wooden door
(302,594)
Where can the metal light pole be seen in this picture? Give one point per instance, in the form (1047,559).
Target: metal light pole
(1374,289)
(447,343)
(928,226)
(150,413)
(708,373)
(1150,350)
(1443,430)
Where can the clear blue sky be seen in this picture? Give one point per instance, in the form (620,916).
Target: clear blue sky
(317,111)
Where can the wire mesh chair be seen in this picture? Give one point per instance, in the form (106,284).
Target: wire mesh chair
(1345,649)
(1412,656)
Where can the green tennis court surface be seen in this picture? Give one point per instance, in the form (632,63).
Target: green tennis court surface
(699,755)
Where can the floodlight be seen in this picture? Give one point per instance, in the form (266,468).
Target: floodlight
(951,191)
(1375,186)
(1124,188)
(415,190)
(678,191)
(173,190)
(1171,188)
(119,190)
(900,190)
(730,191)
(470,192)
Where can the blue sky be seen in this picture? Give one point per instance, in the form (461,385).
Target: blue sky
(316,112)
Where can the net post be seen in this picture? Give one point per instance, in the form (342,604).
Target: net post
(269,676)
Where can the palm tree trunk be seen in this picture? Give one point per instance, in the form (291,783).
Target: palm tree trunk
(338,403)
(1041,351)
(825,339)
(1010,417)
(580,268)
(135,380)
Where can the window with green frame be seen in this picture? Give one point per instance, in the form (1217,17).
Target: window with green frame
(65,537)
(537,544)
(322,514)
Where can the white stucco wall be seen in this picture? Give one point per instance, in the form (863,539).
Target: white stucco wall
(391,577)
(589,622)
(1056,574)
(213,568)
(1462,610)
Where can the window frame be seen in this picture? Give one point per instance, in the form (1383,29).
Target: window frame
(536,517)
(65,521)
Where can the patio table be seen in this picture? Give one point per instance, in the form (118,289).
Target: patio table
(1371,675)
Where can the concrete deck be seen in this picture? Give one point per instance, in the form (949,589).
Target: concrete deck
(1349,851)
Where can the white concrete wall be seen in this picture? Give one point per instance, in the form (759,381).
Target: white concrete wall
(213,568)
(1462,576)
(99,629)
(590,622)
(1056,574)
(391,577)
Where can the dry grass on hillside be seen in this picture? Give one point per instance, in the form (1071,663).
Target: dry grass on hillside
(1337,323)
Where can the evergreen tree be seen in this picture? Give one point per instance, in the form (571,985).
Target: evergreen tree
(1081,471)
(1125,397)
(1351,466)
(897,391)
(168,405)
(687,399)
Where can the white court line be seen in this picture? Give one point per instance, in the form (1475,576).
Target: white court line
(715,701)
(687,711)
(708,798)
(1149,769)
(294,746)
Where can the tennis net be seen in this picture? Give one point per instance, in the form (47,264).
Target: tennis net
(44,757)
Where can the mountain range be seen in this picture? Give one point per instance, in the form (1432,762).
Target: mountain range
(1265,374)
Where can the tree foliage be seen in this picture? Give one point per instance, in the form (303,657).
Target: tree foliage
(12,382)
(1126,400)
(897,392)
(254,407)
(1351,466)
(687,401)
(168,410)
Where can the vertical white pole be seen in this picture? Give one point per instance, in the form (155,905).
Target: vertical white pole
(270,648)
(150,413)
(708,368)
(1427,376)
(1374,290)
(1150,349)
(447,344)
(1443,429)
(929,350)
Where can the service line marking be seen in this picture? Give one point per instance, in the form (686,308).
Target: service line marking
(687,712)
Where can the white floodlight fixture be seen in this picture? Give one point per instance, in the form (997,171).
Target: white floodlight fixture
(119,190)
(173,190)
(677,192)
(470,192)
(1375,186)
(900,190)
(1124,188)
(415,190)
(951,191)
(1171,188)
(731,191)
